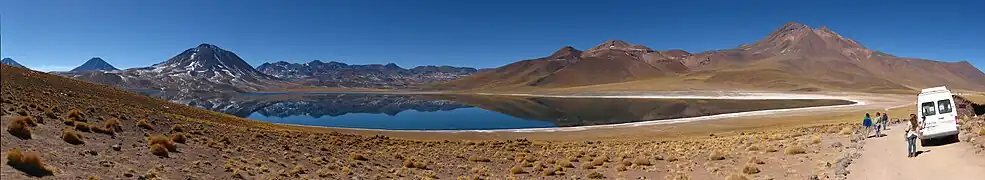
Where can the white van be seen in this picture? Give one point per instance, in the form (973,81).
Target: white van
(935,110)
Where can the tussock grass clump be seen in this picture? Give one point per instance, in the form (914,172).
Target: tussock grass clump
(716,155)
(756,160)
(49,113)
(413,163)
(28,162)
(114,124)
(771,149)
(479,159)
(587,165)
(517,169)
(816,140)
(142,123)
(626,162)
(736,177)
(20,127)
(981,132)
(358,157)
(753,148)
(595,175)
(845,131)
(794,149)
(620,167)
(750,169)
(163,141)
(76,115)
(82,126)
(565,164)
(159,150)
(72,137)
(640,161)
(179,137)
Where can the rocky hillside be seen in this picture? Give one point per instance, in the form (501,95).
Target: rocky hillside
(792,57)
(202,68)
(94,64)
(10,62)
(336,74)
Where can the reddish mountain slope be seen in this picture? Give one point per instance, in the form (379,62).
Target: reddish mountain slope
(792,57)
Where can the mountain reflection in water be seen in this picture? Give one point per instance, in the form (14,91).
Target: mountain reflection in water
(463,112)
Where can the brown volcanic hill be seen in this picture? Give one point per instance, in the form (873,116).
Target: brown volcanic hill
(610,62)
(792,57)
(824,58)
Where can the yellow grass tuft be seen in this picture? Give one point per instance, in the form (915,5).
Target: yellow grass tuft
(358,157)
(716,155)
(794,149)
(28,162)
(142,123)
(159,150)
(756,160)
(82,126)
(20,127)
(76,115)
(517,170)
(816,140)
(736,177)
(565,164)
(845,131)
(479,159)
(595,175)
(620,167)
(750,169)
(72,137)
(179,137)
(163,141)
(753,148)
(981,132)
(641,161)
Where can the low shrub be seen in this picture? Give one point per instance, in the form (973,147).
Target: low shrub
(358,157)
(517,170)
(479,159)
(159,150)
(640,161)
(142,123)
(179,137)
(72,137)
(565,163)
(596,175)
(750,169)
(28,162)
(794,149)
(82,126)
(716,155)
(20,127)
(163,141)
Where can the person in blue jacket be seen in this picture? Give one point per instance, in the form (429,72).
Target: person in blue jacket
(867,122)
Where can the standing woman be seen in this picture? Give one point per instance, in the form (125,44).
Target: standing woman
(912,131)
(867,122)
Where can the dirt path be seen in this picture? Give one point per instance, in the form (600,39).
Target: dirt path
(885,158)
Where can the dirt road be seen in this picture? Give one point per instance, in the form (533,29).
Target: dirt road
(885,158)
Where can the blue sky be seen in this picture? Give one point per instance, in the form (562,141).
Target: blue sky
(59,35)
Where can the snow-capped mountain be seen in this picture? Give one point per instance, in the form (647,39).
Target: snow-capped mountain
(94,64)
(336,74)
(202,68)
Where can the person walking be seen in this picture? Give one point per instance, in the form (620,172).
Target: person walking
(867,123)
(912,132)
(878,123)
(885,119)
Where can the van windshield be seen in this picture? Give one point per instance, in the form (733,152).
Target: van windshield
(928,108)
(944,106)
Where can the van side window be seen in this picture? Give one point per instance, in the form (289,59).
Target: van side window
(944,106)
(928,108)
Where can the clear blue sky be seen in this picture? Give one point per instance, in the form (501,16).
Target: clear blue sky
(59,35)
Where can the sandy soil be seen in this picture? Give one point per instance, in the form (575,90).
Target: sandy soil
(885,158)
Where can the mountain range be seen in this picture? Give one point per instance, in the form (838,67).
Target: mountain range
(205,68)
(10,62)
(792,57)
(94,64)
(337,74)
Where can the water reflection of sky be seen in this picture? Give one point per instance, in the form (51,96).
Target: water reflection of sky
(458,119)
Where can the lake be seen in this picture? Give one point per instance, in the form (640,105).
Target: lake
(463,112)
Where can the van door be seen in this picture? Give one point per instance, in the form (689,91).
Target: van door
(946,114)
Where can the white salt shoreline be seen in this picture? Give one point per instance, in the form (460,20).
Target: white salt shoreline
(858,99)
